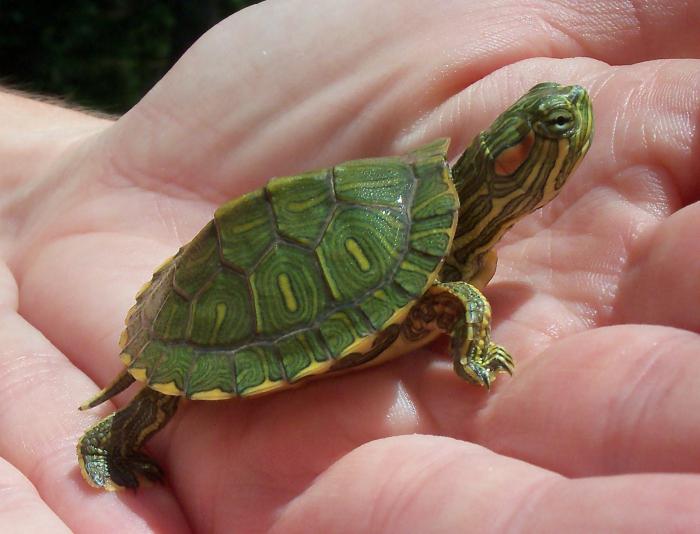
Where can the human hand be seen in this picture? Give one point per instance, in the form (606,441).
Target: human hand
(89,207)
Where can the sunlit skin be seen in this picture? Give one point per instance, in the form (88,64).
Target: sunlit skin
(596,296)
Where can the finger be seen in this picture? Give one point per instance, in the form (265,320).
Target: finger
(83,315)
(662,280)
(239,462)
(281,105)
(431,484)
(612,400)
(21,507)
(40,425)
(621,32)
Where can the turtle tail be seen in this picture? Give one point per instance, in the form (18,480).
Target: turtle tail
(123,381)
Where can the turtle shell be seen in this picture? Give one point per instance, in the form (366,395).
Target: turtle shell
(294,279)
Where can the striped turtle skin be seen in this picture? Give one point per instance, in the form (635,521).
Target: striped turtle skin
(334,270)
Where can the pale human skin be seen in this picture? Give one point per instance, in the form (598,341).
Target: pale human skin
(89,206)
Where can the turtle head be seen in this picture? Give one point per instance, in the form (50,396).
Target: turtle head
(533,147)
(517,165)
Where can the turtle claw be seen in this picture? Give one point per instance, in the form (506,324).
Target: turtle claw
(498,360)
(483,371)
(129,471)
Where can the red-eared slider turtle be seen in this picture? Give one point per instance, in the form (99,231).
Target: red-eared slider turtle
(333,270)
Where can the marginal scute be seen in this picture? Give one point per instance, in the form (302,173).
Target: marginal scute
(294,358)
(211,371)
(433,196)
(414,272)
(286,290)
(123,339)
(147,358)
(301,353)
(135,343)
(436,149)
(144,288)
(342,329)
(198,262)
(173,318)
(151,302)
(383,303)
(223,313)
(257,370)
(174,367)
(432,236)
(167,388)
(139,374)
(302,205)
(245,229)
(211,394)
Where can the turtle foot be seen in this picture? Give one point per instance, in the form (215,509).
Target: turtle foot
(109,453)
(113,472)
(110,467)
(483,370)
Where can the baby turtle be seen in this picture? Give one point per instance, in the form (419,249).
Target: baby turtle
(336,269)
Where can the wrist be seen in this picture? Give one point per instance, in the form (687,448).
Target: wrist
(40,145)
(34,133)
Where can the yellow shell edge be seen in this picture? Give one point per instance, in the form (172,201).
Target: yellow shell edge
(265,387)
(212,394)
(138,373)
(168,388)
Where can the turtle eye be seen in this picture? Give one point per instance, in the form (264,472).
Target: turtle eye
(559,121)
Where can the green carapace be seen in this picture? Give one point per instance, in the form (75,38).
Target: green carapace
(333,270)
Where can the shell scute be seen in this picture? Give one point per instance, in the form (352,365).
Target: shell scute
(223,313)
(375,182)
(245,229)
(212,373)
(286,290)
(343,328)
(432,236)
(202,262)
(302,205)
(359,249)
(173,368)
(301,354)
(173,318)
(257,370)
(147,358)
(383,303)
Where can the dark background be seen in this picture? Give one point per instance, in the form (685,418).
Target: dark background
(105,54)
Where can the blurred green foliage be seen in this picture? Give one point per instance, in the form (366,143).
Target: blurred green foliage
(105,54)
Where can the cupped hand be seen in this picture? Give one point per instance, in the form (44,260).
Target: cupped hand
(596,295)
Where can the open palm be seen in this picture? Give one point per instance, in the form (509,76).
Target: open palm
(596,295)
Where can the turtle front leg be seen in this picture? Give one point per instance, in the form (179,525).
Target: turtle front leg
(108,452)
(462,312)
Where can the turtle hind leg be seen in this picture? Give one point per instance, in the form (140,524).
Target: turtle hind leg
(464,313)
(108,452)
